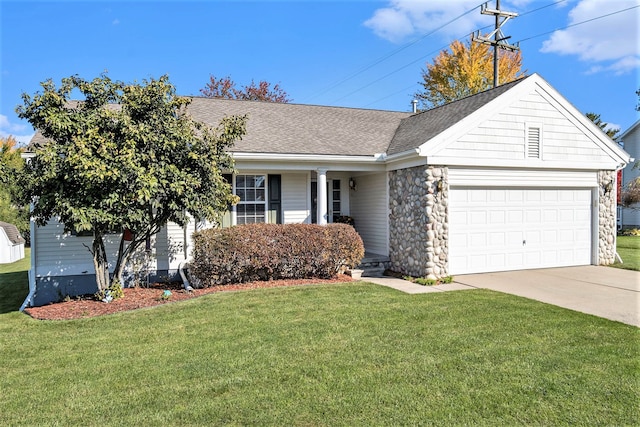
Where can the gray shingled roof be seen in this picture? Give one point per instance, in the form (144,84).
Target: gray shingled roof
(278,128)
(420,128)
(12,233)
(303,129)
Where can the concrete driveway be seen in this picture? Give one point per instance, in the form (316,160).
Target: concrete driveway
(607,292)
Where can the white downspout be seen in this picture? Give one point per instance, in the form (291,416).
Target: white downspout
(32,270)
(185,261)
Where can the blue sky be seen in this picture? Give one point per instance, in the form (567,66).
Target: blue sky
(364,54)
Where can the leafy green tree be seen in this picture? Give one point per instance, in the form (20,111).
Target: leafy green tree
(124,156)
(611,132)
(11,167)
(463,70)
(226,88)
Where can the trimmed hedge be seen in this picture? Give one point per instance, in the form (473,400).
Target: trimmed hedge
(252,252)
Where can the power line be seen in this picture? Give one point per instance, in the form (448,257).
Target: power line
(422,57)
(542,7)
(389,55)
(390,95)
(389,74)
(460,39)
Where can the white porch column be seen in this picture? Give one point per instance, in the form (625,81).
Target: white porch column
(322,196)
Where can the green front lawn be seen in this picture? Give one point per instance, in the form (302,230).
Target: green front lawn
(14,283)
(628,248)
(352,354)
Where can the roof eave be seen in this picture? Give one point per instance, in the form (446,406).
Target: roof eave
(293,161)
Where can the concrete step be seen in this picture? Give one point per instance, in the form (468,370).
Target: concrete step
(374,265)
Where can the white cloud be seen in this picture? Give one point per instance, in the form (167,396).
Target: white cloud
(402,19)
(115,22)
(18,131)
(607,44)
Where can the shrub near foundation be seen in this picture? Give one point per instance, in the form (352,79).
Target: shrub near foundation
(254,252)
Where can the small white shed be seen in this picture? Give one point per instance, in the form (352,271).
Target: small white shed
(11,243)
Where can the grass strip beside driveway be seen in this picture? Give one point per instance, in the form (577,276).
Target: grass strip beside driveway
(628,247)
(352,354)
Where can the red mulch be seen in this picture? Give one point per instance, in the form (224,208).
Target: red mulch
(140,297)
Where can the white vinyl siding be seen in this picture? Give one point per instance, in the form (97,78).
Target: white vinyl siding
(503,138)
(173,252)
(369,208)
(61,254)
(58,253)
(631,217)
(295,198)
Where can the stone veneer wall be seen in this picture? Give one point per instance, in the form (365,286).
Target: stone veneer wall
(607,218)
(418,221)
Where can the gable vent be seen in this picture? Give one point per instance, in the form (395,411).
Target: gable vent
(533,143)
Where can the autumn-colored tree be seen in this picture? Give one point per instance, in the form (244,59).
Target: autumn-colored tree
(10,159)
(124,156)
(11,166)
(465,69)
(630,196)
(611,132)
(226,88)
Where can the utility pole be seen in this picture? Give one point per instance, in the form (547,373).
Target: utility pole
(499,39)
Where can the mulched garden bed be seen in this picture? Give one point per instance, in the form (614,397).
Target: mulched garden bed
(140,297)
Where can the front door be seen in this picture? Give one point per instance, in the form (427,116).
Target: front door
(333,201)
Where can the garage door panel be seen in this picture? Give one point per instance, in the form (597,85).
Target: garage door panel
(533,196)
(515,217)
(496,196)
(458,218)
(532,258)
(534,238)
(497,259)
(497,238)
(478,241)
(533,216)
(582,215)
(496,217)
(520,228)
(478,196)
(515,196)
(550,215)
(567,215)
(514,259)
(478,218)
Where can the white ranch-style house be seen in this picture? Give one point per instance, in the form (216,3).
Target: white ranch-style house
(630,140)
(511,178)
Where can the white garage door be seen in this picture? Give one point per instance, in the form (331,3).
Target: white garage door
(518,228)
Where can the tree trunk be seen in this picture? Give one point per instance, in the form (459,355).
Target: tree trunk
(124,253)
(100,263)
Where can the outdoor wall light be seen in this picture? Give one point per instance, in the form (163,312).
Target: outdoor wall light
(352,184)
(607,187)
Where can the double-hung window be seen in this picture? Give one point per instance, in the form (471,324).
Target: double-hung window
(252,207)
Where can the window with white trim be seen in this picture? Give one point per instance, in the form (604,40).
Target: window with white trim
(252,207)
